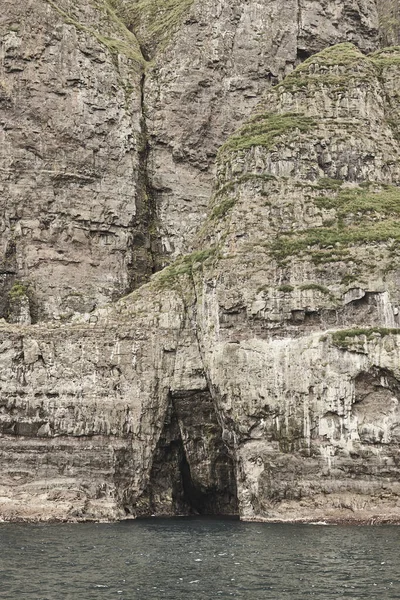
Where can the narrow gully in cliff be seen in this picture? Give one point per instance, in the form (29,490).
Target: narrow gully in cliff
(146,249)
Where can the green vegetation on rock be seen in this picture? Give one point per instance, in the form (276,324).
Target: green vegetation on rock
(363,200)
(18,290)
(346,337)
(336,238)
(184,265)
(120,41)
(317,287)
(353,66)
(220,210)
(266,129)
(154,21)
(386,56)
(339,55)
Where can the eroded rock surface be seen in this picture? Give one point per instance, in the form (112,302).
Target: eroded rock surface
(74,214)
(208,77)
(258,374)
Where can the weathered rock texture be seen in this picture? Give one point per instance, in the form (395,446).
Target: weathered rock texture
(211,75)
(389,21)
(258,374)
(74,211)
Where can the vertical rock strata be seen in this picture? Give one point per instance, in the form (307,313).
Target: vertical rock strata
(74,213)
(212,62)
(265,364)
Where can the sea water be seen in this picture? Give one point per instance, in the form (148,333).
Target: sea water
(198,558)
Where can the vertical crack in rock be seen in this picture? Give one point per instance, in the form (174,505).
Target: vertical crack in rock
(146,247)
(192,471)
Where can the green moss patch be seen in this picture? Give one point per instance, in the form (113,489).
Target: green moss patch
(154,21)
(339,55)
(386,57)
(363,200)
(183,266)
(18,290)
(317,287)
(335,238)
(347,337)
(266,129)
(124,42)
(220,210)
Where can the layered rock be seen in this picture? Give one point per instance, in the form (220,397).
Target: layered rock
(108,160)
(75,218)
(305,225)
(263,364)
(212,62)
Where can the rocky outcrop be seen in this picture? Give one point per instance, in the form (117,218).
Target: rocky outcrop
(75,219)
(209,74)
(112,114)
(258,373)
(305,226)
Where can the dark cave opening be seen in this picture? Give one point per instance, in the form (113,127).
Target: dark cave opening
(192,471)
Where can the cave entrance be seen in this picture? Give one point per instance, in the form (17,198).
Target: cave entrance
(192,472)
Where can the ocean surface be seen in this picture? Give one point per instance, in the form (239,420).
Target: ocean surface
(198,558)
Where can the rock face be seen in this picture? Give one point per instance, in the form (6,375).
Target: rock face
(73,199)
(258,374)
(204,83)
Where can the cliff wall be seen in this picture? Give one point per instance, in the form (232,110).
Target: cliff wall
(258,372)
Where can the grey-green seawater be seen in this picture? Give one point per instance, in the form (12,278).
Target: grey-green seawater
(198,558)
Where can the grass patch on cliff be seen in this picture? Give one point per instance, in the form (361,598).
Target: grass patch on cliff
(386,57)
(154,21)
(254,177)
(363,200)
(346,337)
(220,210)
(337,239)
(18,290)
(344,54)
(265,129)
(317,287)
(124,42)
(183,266)
(321,69)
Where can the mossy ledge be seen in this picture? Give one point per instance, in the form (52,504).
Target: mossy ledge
(18,290)
(183,266)
(346,338)
(361,200)
(266,129)
(154,21)
(324,237)
(358,220)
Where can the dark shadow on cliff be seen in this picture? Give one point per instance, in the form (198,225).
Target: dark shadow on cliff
(192,471)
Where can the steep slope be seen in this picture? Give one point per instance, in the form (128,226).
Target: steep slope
(305,221)
(212,63)
(74,213)
(108,159)
(265,364)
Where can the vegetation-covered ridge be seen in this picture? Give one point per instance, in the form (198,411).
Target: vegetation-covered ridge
(362,215)
(335,67)
(363,199)
(117,38)
(337,238)
(183,266)
(266,129)
(346,338)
